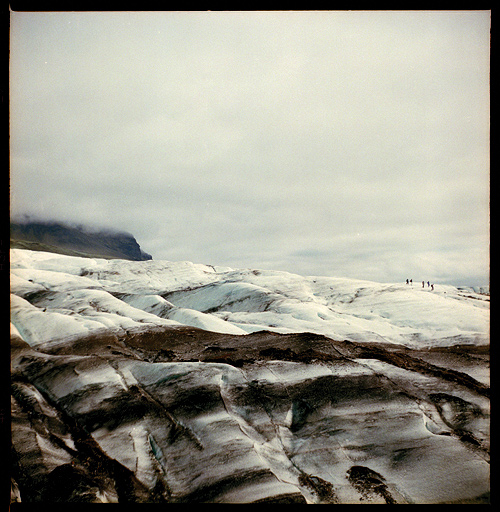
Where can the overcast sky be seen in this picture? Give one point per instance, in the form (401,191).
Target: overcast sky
(341,143)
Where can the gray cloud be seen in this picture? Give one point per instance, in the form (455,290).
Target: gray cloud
(345,143)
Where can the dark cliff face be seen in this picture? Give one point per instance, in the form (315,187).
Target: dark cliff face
(76,240)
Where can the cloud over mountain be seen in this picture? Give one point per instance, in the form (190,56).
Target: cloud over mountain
(248,138)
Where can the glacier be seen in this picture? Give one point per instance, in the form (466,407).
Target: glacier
(157,381)
(86,294)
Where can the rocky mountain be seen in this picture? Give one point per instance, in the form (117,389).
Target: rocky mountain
(75,240)
(176,382)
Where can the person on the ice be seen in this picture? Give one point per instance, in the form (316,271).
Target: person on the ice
(432,287)
(423,284)
(407,281)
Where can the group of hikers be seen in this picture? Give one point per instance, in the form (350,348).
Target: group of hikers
(410,281)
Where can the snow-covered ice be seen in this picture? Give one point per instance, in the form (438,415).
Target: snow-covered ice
(83,294)
(110,370)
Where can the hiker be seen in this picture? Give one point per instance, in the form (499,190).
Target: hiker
(432,287)
(423,284)
(428,284)
(411,282)
(407,281)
